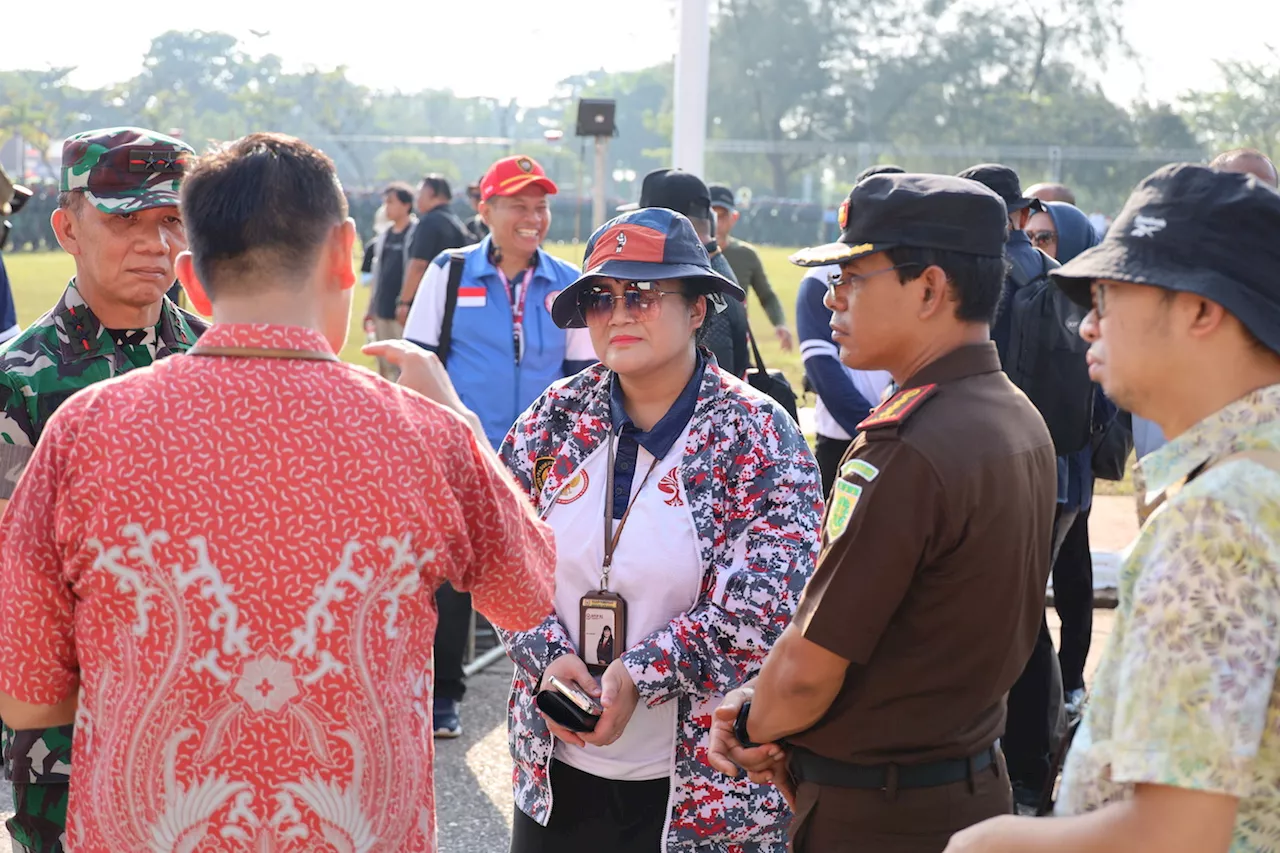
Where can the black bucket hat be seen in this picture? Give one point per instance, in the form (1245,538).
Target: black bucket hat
(1198,230)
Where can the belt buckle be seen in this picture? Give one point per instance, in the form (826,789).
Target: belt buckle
(890,785)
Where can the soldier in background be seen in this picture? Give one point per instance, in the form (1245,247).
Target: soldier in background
(118,218)
(11,198)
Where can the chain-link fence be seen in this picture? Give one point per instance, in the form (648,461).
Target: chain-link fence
(1100,177)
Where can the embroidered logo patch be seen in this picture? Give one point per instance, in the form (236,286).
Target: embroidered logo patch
(577,488)
(670,485)
(842,218)
(1147,226)
(844,498)
(860,468)
(541,470)
(524,164)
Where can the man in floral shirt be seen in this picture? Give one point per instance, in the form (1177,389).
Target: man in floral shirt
(248,659)
(1180,747)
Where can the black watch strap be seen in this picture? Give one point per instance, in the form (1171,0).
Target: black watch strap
(740,726)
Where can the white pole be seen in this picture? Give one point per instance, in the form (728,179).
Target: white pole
(600,186)
(693,63)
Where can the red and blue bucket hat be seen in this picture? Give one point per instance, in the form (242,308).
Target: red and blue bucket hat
(650,244)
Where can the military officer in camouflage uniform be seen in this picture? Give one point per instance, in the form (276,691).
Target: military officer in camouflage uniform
(118,216)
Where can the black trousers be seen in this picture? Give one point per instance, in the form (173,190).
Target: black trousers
(595,815)
(451,641)
(1073,599)
(1036,716)
(828,452)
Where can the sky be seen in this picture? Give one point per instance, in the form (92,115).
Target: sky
(521,48)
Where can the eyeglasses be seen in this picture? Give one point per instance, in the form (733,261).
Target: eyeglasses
(1040,239)
(839,279)
(1099,299)
(640,299)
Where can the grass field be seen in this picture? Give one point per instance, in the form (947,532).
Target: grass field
(38,279)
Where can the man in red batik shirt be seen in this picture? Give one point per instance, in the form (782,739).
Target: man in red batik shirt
(248,658)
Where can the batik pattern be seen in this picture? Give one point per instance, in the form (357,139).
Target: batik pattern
(1187,693)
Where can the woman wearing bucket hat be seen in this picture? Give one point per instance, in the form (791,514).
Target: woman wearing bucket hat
(685,505)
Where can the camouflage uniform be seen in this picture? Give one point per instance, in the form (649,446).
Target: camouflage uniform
(119,170)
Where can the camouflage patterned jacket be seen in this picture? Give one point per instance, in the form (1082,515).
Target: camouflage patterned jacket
(754,491)
(62,352)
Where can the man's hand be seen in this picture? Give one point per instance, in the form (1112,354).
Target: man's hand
(986,837)
(619,697)
(729,756)
(765,764)
(784,338)
(23,715)
(572,671)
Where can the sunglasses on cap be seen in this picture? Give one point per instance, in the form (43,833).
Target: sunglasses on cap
(640,299)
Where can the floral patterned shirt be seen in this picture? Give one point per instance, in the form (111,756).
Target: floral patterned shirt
(1187,693)
(233,561)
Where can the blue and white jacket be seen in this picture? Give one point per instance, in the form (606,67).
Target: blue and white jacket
(754,493)
(482,359)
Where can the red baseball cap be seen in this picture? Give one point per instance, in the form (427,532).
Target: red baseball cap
(510,175)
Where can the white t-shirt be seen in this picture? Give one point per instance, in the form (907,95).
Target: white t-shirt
(656,569)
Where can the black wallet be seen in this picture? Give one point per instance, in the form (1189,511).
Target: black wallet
(563,711)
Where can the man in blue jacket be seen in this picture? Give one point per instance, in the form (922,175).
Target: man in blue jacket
(500,347)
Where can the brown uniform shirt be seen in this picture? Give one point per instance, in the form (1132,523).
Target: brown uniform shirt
(935,557)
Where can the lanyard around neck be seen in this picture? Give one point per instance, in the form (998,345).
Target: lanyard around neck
(612,536)
(517,292)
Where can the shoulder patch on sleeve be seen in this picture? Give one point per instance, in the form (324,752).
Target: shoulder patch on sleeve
(541,469)
(861,468)
(844,498)
(899,407)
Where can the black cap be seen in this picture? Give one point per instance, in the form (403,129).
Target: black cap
(881,169)
(675,189)
(1004,181)
(722,196)
(925,211)
(1198,230)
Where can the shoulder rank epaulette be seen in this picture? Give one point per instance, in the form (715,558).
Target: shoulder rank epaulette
(898,407)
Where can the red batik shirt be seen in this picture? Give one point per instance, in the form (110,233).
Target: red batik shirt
(234,559)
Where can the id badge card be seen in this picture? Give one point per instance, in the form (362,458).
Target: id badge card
(603,629)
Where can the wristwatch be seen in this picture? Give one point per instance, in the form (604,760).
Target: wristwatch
(740,726)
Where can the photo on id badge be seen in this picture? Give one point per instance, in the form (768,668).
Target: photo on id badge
(603,629)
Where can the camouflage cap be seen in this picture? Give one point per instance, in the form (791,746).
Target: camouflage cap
(125,169)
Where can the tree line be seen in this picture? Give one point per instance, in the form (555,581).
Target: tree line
(906,73)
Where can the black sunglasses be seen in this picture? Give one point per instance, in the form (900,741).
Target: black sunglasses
(639,298)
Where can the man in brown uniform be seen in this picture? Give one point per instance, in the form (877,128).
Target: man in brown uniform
(890,685)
